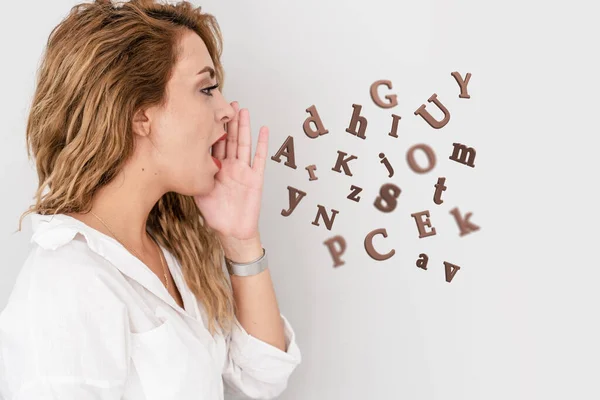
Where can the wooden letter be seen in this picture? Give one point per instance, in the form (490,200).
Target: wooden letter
(421,224)
(314,117)
(294,200)
(286,150)
(337,261)
(356,118)
(371,250)
(377,100)
(428,118)
(323,214)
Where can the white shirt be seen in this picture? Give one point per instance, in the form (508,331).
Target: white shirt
(88,320)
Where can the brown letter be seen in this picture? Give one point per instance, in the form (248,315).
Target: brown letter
(371,250)
(343,162)
(391,97)
(311,169)
(463,151)
(337,261)
(395,119)
(294,200)
(385,162)
(288,146)
(464,225)
(314,117)
(322,213)
(410,158)
(354,195)
(428,118)
(355,119)
(422,261)
(463,84)
(421,224)
(451,270)
(439,188)
(386,201)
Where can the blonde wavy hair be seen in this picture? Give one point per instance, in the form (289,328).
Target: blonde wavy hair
(101,64)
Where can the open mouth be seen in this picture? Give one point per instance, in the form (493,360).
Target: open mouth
(210,150)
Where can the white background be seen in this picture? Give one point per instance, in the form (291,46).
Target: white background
(519,320)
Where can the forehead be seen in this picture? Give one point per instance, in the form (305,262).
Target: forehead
(194,56)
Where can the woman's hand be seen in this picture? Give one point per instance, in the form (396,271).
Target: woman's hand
(232,208)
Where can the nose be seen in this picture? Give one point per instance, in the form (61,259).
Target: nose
(227,114)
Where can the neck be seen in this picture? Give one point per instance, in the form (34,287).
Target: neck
(124,205)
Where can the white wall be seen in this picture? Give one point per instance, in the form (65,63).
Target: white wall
(518,321)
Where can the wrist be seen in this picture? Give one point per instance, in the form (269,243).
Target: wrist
(248,269)
(242,250)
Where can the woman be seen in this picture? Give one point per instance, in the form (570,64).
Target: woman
(147,279)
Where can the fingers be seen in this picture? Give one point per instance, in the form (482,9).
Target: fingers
(262,148)
(239,140)
(232,133)
(244,150)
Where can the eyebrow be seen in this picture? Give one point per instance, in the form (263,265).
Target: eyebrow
(209,69)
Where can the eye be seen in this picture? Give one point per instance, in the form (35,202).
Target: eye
(209,89)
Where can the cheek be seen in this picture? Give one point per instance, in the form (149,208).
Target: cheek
(187,136)
(189,152)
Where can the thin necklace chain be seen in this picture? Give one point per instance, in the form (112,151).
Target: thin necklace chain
(136,253)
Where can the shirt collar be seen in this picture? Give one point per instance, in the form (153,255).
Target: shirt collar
(55,230)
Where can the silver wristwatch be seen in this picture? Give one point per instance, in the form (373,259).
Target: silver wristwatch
(247,269)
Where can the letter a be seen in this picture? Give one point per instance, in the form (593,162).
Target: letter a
(286,150)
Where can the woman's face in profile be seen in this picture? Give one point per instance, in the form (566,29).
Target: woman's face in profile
(192,121)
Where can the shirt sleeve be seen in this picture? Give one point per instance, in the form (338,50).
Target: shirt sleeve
(256,369)
(64,335)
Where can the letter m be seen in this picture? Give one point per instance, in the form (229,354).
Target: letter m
(460,153)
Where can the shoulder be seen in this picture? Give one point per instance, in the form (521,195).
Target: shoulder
(64,322)
(70,278)
(65,264)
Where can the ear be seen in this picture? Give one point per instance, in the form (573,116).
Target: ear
(141,123)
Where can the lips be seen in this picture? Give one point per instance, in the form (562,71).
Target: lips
(217,161)
(218,140)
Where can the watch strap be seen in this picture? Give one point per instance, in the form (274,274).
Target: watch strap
(247,269)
